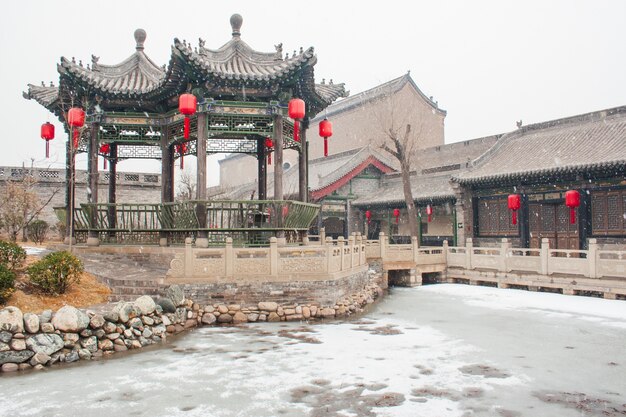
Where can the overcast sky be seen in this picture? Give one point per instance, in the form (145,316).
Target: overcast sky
(488,63)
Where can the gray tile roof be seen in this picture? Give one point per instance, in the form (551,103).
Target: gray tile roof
(424,188)
(587,142)
(44,95)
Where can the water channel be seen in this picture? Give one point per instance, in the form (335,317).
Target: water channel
(441,350)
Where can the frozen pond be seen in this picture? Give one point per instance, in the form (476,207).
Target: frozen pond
(444,350)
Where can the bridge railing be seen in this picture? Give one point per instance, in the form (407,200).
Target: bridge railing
(591,263)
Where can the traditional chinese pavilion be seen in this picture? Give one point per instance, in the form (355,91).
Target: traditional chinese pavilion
(132,112)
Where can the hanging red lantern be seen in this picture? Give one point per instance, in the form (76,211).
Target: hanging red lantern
(429,212)
(572,200)
(47,134)
(515,203)
(181,148)
(396,214)
(76,120)
(296,110)
(269,144)
(368,216)
(326,131)
(187,104)
(104,150)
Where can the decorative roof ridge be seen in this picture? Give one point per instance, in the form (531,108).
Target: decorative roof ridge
(505,138)
(357,158)
(392,86)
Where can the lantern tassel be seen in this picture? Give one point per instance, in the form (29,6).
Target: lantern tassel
(182,161)
(514,218)
(572,215)
(269,158)
(397,217)
(430,218)
(47,149)
(75,138)
(105,163)
(187,127)
(325,146)
(296,131)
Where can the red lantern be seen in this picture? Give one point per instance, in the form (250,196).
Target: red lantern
(368,216)
(76,120)
(269,144)
(396,214)
(47,134)
(187,104)
(285,211)
(296,110)
(515,202)
(326,131)
(429,212)
(572,200)
(181,148)
(104,150)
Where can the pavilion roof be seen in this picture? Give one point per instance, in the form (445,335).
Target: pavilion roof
(138,83)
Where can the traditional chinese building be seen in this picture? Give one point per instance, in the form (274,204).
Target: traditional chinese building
(132,111)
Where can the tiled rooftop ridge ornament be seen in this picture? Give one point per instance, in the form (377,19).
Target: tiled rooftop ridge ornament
(140,38)
(235,22)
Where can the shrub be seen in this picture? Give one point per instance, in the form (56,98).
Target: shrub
(7,283)
(12,255)
(38,231)
(56,272)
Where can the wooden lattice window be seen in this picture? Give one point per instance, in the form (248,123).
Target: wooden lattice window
(494,218)
(608,212)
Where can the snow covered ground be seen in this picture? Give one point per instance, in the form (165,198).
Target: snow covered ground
(442,350)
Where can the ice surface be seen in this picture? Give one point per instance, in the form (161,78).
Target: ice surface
(450,350)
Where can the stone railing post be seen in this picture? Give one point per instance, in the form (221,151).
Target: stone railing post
(188,258)
(351,241)
(382,242)
(273,256)
(329,252)
(469,248)
(359,243)
(229,257)
(415,247)
(545,255)
(504,249)
(305,241)
(341,244)
(322,235)
(592,258)
(445,252)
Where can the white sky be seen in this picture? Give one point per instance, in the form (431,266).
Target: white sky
(488,63)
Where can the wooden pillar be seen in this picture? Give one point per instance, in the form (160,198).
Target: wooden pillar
(113,188)
(262,168)
(167,175)
(524,221)
(92,195)
(70,179)
(278,157)
(584,219)
(303,192)
(202,238)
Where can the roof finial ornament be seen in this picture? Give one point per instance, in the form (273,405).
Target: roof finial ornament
(201,42)
(140,37)
(323,81)
(235,22)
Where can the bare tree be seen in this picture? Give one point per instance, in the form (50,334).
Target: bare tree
(186,187)
(400,129)
(20,205)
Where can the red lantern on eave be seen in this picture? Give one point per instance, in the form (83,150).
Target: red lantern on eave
(396,214)
(104,150)
(296,110)
(269,144)
(572,200)
(326,131)
(76,120)
(368,216)
(187,104)
(47,134)
(429,212)
(515,203)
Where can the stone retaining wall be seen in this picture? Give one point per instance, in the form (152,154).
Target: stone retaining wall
(33,341)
